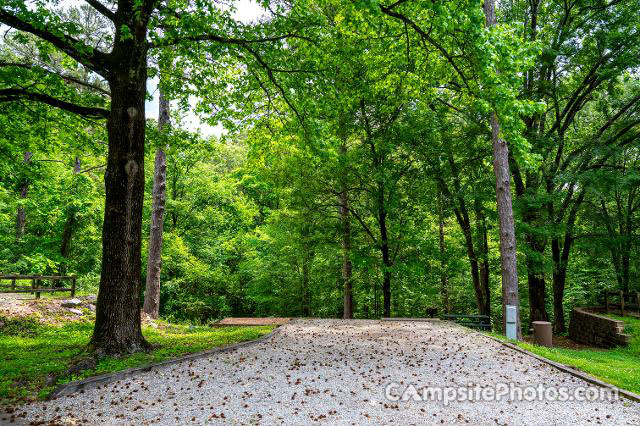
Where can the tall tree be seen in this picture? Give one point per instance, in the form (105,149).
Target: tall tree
(138,27)
(151,305)
(509,263)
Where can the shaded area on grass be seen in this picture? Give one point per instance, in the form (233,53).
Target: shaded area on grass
(35,357)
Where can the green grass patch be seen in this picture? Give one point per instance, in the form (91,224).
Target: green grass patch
(619,366)
(31,352)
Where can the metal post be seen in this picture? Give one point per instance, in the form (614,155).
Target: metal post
(621,303)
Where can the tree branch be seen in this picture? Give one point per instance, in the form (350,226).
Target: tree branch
(102,9)
(92,58)
(11,95)
(65,77)
(387,10)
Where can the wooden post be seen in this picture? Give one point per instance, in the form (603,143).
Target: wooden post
(606,301)
(33,284)
(73,286)
(13,284)
(638,301)
(621,303)
(38,285)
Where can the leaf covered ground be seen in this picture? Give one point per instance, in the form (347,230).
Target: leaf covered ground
(36,357)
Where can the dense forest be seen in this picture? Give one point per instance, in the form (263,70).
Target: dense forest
(356,175)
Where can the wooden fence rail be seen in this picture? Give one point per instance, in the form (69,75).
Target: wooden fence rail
(36,284)
(625,301)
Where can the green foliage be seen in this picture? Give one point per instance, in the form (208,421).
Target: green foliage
(388,104)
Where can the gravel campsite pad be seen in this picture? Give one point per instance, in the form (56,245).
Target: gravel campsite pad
(336,372)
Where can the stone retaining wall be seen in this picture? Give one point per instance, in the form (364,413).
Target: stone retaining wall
(590,328)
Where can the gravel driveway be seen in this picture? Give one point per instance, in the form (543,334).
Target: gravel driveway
(336,372)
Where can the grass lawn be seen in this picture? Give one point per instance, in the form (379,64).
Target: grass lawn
(30,351)
(619,366)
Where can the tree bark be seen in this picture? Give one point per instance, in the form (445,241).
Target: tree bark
(117,328)
(509,265)
(345,225)
(154,263)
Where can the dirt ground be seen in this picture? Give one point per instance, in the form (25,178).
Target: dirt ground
(251,321)
(48,309)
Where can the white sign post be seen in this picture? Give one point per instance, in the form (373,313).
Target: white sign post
(511,321)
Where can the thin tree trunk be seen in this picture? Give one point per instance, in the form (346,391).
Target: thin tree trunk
(614,243)
(462,216)
(444,277)
(117,328)
(483,258)
(504,203)
(21,214)
(306,260)
(386,259)
(154,263)
(560,264)
(345,222)
(67,232)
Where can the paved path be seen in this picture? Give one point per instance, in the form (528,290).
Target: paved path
(335,372)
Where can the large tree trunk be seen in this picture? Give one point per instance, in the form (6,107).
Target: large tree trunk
(154,262)
(117,327)
(21,215)
(509,264)
(345,225)
(444,277)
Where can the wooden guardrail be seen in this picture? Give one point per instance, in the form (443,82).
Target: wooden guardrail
(36,284)
(625,301)
(480,322)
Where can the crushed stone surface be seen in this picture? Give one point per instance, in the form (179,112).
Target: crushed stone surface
(335,372)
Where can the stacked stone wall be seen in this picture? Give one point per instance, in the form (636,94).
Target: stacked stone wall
(586,326)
